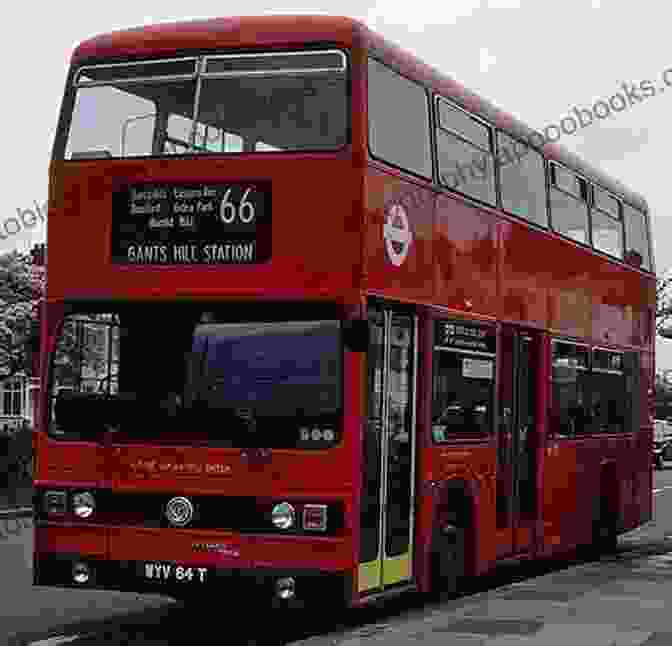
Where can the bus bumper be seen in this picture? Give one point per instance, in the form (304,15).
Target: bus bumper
(65,570)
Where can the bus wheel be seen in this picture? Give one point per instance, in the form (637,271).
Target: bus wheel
(447,559)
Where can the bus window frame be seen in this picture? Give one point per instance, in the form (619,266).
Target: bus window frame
(590,370)
(493,328)
(200,56)
(622,372)
(584,199)
(204,60)
(595,188)
(492,152)
(86,308)
(592,204)
(80,71)
(647,232)
(551,433)
(498,181)
(430,179)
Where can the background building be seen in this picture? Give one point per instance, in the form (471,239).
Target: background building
(18,396)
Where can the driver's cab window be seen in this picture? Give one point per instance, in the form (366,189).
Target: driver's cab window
(463,380)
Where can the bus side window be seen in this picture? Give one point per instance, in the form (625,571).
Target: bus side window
(633,386)
(608,386)
(463,394)
(637,252)
(465,142)
(570,412)
(569,206)
(398,120)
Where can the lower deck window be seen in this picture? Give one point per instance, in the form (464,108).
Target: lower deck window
(608,405)
(589,391)
(463,381)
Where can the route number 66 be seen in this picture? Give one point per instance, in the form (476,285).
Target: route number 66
(228,210)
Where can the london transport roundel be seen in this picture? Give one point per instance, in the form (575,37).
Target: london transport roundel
(397,234)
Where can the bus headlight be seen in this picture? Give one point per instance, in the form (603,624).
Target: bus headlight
(83,504)
(283,516)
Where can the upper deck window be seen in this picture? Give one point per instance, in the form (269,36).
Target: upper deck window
(291,101)
(606,203)
(523,180)
(607,223)
(460,123)
(466,162)
(636,238)
(398,120)
(567,181)
(569,208)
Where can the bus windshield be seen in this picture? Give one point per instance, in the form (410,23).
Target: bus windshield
(294,101)
(236,384)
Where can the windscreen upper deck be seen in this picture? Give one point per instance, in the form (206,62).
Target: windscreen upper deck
(265,102)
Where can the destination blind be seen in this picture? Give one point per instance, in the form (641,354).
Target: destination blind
(466,336)
(192,224)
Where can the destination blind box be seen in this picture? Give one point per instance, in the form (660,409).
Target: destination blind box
(192,224)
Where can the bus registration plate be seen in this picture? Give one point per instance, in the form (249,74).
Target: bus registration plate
(173,572)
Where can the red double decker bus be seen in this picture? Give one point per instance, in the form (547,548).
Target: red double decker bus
(321,321)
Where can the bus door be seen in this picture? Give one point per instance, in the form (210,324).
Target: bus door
(517,440)
(386,519)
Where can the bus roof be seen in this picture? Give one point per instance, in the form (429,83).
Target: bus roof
(295,30)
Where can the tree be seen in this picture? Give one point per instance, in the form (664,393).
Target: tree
(20,295)
(664,306)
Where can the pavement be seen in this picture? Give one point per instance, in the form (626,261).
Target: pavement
(620,600)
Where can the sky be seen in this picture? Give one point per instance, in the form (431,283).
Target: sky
(536,59)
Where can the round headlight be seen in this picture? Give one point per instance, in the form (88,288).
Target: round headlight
(283,515)
(83,504)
